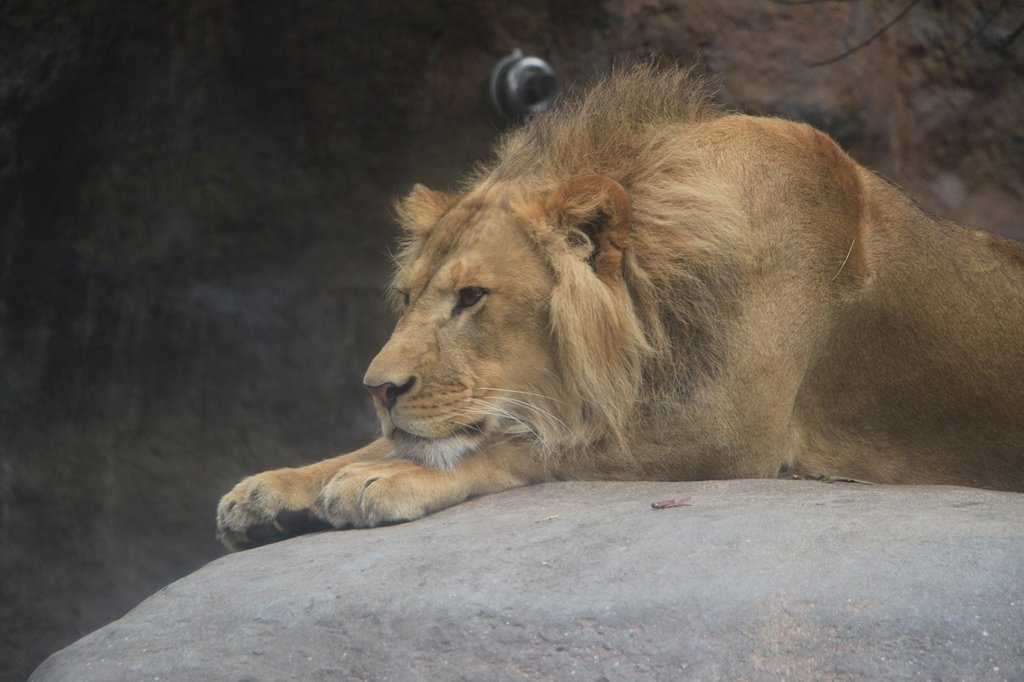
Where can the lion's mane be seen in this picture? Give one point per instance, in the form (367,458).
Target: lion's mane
(625,357)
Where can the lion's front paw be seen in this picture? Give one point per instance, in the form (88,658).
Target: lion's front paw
(265,508)
(371,494)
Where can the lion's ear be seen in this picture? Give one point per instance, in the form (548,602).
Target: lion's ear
(593,211)
(423,207)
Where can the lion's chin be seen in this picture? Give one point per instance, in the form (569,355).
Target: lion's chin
(442,453)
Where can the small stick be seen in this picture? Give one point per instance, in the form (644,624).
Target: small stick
(668,504)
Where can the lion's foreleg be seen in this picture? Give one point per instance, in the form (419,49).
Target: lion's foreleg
(390,490)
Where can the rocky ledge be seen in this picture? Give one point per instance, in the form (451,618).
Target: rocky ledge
(745,580)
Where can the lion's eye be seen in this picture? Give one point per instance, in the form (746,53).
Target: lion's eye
(404,294)
(469,297)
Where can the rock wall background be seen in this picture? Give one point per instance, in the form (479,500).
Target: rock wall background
(195,216)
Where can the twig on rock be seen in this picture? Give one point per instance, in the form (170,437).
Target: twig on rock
(668,504)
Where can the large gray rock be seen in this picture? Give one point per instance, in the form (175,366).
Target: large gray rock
(754,580)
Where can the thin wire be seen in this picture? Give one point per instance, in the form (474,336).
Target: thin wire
(870,39)
(845,259)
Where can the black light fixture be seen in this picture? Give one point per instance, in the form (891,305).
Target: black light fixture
(521,86)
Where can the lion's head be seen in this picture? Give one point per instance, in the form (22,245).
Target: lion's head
(514,320)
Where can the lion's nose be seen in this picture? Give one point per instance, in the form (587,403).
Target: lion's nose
(388,392)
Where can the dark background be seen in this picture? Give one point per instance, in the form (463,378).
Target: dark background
(195,216)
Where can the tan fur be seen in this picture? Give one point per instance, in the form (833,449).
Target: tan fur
(660,290)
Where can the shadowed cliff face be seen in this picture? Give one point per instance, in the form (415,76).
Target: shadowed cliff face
(195,213)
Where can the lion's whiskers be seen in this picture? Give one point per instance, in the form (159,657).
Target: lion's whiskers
(501,411)
(530,406)
(510,390)
(498,412)
(538,410)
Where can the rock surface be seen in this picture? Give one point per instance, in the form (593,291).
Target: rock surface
(754,580)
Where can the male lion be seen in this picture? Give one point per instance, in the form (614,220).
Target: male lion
(641,286)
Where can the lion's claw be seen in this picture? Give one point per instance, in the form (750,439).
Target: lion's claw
(264,508)
(264,534)
(373,494)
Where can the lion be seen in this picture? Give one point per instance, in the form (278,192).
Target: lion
(643,286)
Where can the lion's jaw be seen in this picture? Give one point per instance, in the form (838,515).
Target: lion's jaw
(442,453)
